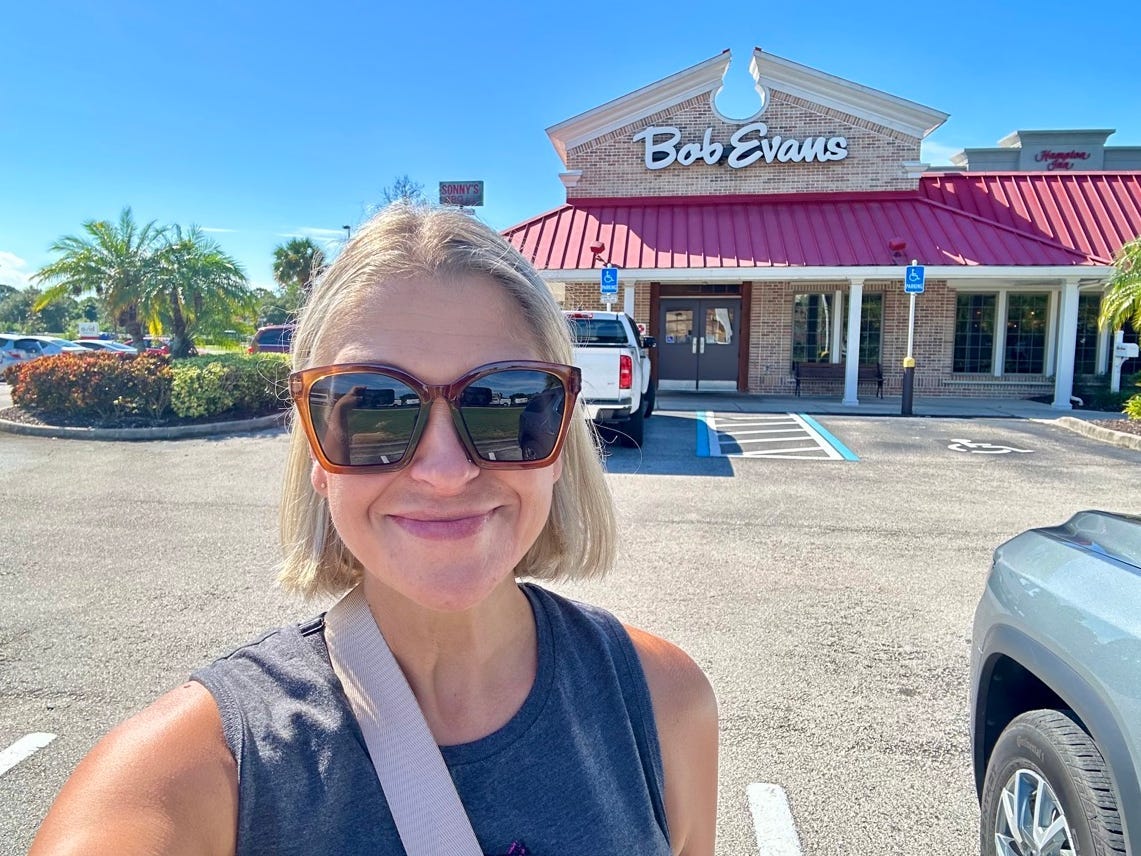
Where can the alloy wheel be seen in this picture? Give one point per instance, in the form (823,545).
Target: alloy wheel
(1030,820)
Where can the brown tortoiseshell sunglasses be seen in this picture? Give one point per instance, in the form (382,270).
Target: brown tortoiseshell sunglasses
(368,417)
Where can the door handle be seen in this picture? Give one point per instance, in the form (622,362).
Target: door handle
(695,344)
(702,351)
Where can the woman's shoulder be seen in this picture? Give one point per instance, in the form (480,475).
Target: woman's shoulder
(162,781)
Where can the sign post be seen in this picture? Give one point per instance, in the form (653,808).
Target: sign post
(609,285)
(913,281)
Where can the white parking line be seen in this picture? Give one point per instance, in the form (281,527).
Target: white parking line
(772,820)
(27,745)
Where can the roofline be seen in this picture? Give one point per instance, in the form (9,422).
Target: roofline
(704,77)
(855,99)
(1090,273)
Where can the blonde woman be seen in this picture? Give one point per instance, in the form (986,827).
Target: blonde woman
(436,460)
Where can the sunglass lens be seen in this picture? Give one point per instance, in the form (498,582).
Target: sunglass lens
(363,419)
(514,415)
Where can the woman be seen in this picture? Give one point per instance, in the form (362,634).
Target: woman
(436,457)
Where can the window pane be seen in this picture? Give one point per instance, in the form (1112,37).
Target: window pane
(974,333)
(1085,352)
(811,328)
(719,326)
(1026,334)
(871,323)
(679,326)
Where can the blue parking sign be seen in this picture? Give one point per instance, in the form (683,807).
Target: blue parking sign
(609,280)
(913,279)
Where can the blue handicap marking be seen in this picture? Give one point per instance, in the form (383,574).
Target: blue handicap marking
(609,280)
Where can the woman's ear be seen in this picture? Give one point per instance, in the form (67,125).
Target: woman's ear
(319,479)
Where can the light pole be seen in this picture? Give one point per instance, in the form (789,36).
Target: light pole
(348,233)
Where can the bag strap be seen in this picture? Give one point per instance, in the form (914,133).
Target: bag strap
(421,794)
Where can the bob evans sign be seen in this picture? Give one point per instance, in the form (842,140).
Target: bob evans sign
(746,147)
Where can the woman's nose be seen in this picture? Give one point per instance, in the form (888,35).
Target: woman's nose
(440,457)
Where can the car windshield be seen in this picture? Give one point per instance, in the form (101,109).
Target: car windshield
(598,331)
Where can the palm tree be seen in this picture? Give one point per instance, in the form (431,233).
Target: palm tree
(1122,301)
(295,265)
(113,261)
(196,285)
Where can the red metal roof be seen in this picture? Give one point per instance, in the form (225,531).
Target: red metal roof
(1094,213)
(805,230)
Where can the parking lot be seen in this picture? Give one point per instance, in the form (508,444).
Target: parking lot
(829,599)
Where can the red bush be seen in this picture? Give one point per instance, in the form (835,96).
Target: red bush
(79,388)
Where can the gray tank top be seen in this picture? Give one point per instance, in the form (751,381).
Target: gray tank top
(576,772)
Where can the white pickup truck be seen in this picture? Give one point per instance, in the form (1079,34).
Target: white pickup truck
(618,388)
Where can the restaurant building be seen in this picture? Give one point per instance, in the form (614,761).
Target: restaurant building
(748,246)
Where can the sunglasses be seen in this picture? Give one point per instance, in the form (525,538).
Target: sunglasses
(368,418)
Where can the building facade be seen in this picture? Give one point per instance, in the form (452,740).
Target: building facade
(748,246)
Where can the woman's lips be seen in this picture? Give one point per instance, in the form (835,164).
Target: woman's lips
(437,529)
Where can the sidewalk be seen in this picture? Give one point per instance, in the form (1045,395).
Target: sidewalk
(961,408)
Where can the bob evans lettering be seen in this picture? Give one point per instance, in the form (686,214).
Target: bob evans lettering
(749,144)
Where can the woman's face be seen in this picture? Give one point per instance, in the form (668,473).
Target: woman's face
(441,532)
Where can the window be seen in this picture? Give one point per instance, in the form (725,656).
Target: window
(1026,316)
(598,331)
(871,325)
(812,320)
(1085,352)
(974,333)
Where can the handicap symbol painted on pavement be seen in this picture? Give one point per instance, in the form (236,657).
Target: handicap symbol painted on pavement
(960,445)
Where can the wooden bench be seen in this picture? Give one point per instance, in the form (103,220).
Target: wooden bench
(833,372)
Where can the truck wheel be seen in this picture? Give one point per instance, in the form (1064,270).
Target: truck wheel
(632,431)
(651,398)
(1047,790)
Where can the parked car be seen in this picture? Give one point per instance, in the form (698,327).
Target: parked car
(18,348)
(1056,690)
(106,346)
(273,339)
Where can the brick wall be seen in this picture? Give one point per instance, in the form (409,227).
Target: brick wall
(614,164)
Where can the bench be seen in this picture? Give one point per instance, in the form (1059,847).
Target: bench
(835,372)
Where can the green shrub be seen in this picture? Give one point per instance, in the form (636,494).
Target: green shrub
(1132,407)
(80,388)
(236,384)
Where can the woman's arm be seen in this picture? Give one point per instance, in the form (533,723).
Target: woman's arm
(685,711)
(164,782)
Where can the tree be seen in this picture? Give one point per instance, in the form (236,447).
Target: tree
(404,189)
(295,265)
(18,312)
(113,261)
(1122,301)
(196,287)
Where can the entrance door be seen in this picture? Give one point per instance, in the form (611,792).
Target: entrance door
(699,339)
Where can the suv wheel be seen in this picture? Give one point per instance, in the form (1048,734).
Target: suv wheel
(1047,791)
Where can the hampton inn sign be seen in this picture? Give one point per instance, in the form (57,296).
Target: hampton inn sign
(748,145)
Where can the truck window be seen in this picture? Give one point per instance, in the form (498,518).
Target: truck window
(598,331)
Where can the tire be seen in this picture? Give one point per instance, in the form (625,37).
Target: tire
(1046,754)
(633,429)
(651,399)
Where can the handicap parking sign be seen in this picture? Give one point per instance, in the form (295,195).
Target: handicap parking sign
(913,279)
(609,280)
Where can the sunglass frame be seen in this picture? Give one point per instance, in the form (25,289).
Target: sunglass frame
(301,382)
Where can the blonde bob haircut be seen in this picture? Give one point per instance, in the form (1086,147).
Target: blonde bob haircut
(414,241)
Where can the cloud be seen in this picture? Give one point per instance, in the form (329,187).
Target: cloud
(14,270)
(937,153)
(216,229)
(316,233)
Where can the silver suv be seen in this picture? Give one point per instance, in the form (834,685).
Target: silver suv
(1056,690)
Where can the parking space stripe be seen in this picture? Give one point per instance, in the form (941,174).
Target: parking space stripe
(845,453)
(23,748)
(772,820)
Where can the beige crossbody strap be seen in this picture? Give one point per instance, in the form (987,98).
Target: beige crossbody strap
(421,794)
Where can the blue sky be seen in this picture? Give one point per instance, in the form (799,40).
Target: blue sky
(260,121)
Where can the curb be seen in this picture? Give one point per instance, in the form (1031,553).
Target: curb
(1097,432)
(175,432)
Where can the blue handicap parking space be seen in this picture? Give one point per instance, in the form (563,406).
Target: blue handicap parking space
(780,436)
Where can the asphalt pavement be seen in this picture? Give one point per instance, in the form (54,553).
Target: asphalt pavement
(829,601)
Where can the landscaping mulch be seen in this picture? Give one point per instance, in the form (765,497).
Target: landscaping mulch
(16,414)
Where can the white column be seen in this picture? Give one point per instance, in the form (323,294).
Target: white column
(852,364)
(1067,343)
(1054,306)
(999,357)
(837,297)
(628,300)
